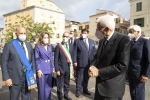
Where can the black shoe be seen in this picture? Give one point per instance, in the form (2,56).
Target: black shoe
(87,92)
(67,98)
(77,95)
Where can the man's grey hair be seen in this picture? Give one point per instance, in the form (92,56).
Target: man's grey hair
(135,28)
(107,21)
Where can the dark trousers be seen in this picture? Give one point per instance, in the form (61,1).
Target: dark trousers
(21,87)
(82,79)
(44,87)
(100,97)
(137,89)
(63,79)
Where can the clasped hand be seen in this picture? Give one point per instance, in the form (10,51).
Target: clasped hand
(93,71)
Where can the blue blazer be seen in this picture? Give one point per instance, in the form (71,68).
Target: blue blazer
(44,59)
(60,60)
(81,55)
(140,59)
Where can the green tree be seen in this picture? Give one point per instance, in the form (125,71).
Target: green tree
(33,30)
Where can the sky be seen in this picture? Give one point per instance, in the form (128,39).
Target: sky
(76,10)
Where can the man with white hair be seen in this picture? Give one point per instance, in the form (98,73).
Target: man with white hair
(111,61)
(139,65)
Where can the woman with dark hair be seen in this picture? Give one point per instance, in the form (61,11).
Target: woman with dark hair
(44,66)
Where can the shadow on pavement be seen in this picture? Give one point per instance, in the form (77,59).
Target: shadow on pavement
(73,91)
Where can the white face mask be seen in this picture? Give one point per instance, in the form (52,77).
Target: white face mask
(45,41)
(65,39)
(22,37)
(84,36)
(71,36)
(131,36)
(98,34)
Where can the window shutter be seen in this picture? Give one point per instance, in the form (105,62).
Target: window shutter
(142,22)
(135,21)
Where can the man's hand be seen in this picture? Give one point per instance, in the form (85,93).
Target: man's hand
(93,71)
(58,73)
(143,78)
(75,64)
(39,73)
(8,82)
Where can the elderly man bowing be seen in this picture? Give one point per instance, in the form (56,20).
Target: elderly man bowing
(110,62)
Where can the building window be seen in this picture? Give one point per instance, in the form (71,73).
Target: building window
(87,26)
(139,21)
(139,6)
(6,26)
(80,27)
(75,30)
(16,24)
(117,20)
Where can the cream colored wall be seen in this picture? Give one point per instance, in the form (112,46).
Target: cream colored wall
(43,15)
(145,13)
(83,27)
(12,18)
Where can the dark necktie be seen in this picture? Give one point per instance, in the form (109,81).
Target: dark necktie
(85,41)
(23,47)
(132,44)
(104,44)
(24,69)
(67,47)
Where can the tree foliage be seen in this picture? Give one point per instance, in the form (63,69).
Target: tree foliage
(33,30)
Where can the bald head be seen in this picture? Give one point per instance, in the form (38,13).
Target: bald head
(21,33)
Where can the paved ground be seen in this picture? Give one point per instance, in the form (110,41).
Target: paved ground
(4,92)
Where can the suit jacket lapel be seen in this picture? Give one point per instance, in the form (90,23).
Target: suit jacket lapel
(83,43)
(135,44)
(99,48)
(109,44)
(89,44)
(44,51)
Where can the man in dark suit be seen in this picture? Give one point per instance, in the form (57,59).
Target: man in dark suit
(13,71)
(62,66)
(84,51)
(72,38)
(139,66)
(71,41)
(111,61)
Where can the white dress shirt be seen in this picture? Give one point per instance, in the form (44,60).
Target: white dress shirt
(25,47)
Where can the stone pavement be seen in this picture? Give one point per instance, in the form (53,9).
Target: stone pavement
(4,92)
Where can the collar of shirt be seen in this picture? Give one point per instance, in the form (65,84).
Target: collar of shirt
(110,36)
(85,39)
(137,38)
(25,49)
